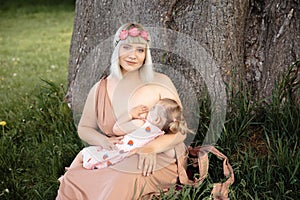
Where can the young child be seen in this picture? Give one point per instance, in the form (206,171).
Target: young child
(165,117)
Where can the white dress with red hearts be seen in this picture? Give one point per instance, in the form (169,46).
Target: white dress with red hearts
(96,157)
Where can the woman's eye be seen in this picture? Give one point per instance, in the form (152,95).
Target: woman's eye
(127,47)
(140,50)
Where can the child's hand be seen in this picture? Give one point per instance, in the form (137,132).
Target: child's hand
(137,111)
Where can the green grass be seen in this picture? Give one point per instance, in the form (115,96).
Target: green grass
(261,138)
(34,45)
(39,138)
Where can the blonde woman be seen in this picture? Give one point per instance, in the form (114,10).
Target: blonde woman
(132,82)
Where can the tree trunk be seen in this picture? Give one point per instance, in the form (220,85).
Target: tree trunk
(204,40)
(272,42)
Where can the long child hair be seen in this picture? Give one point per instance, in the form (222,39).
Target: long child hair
(175,121)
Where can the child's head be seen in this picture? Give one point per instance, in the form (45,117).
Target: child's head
(167,115)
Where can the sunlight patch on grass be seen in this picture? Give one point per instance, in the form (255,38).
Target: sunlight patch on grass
(34,46)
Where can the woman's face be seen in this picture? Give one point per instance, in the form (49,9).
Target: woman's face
(131,56)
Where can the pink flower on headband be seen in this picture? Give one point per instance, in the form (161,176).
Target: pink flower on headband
(144,35)
(123,35)
(134,32)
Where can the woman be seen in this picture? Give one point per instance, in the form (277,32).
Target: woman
(132,82)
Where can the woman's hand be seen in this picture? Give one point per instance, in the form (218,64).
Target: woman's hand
(147,160)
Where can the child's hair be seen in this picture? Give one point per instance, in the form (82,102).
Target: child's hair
(175,121)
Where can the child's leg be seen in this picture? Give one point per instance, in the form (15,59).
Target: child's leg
(77,160)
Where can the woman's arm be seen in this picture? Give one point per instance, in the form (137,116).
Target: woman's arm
(163,143)
(88,127)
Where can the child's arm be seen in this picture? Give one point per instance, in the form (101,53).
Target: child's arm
(129,122)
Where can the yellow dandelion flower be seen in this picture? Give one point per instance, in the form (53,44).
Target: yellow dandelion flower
(2,123)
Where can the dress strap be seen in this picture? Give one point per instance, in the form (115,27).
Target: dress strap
(104,110)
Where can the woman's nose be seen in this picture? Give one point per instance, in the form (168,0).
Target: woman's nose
(132,55)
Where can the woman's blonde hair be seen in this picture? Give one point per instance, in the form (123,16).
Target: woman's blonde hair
(146,71)
(175,121)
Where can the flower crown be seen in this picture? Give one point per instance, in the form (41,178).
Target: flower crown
(133,32)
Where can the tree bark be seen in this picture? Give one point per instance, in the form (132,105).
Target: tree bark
(272,42)
(250,40)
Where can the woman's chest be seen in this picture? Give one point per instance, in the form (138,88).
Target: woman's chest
(126,95)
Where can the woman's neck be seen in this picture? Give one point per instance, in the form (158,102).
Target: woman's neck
(134,72)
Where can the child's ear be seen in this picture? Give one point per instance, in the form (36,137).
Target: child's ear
(158,119)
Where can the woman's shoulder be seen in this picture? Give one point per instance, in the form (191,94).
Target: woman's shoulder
(167,88)
(158,75)
(101,81)
(94,89)
(163,79)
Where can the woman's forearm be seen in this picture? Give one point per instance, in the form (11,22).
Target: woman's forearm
(91,136)
(163,143)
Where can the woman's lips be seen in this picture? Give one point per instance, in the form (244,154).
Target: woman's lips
(131,63)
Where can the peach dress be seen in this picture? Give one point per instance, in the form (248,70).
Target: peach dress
(122,180)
